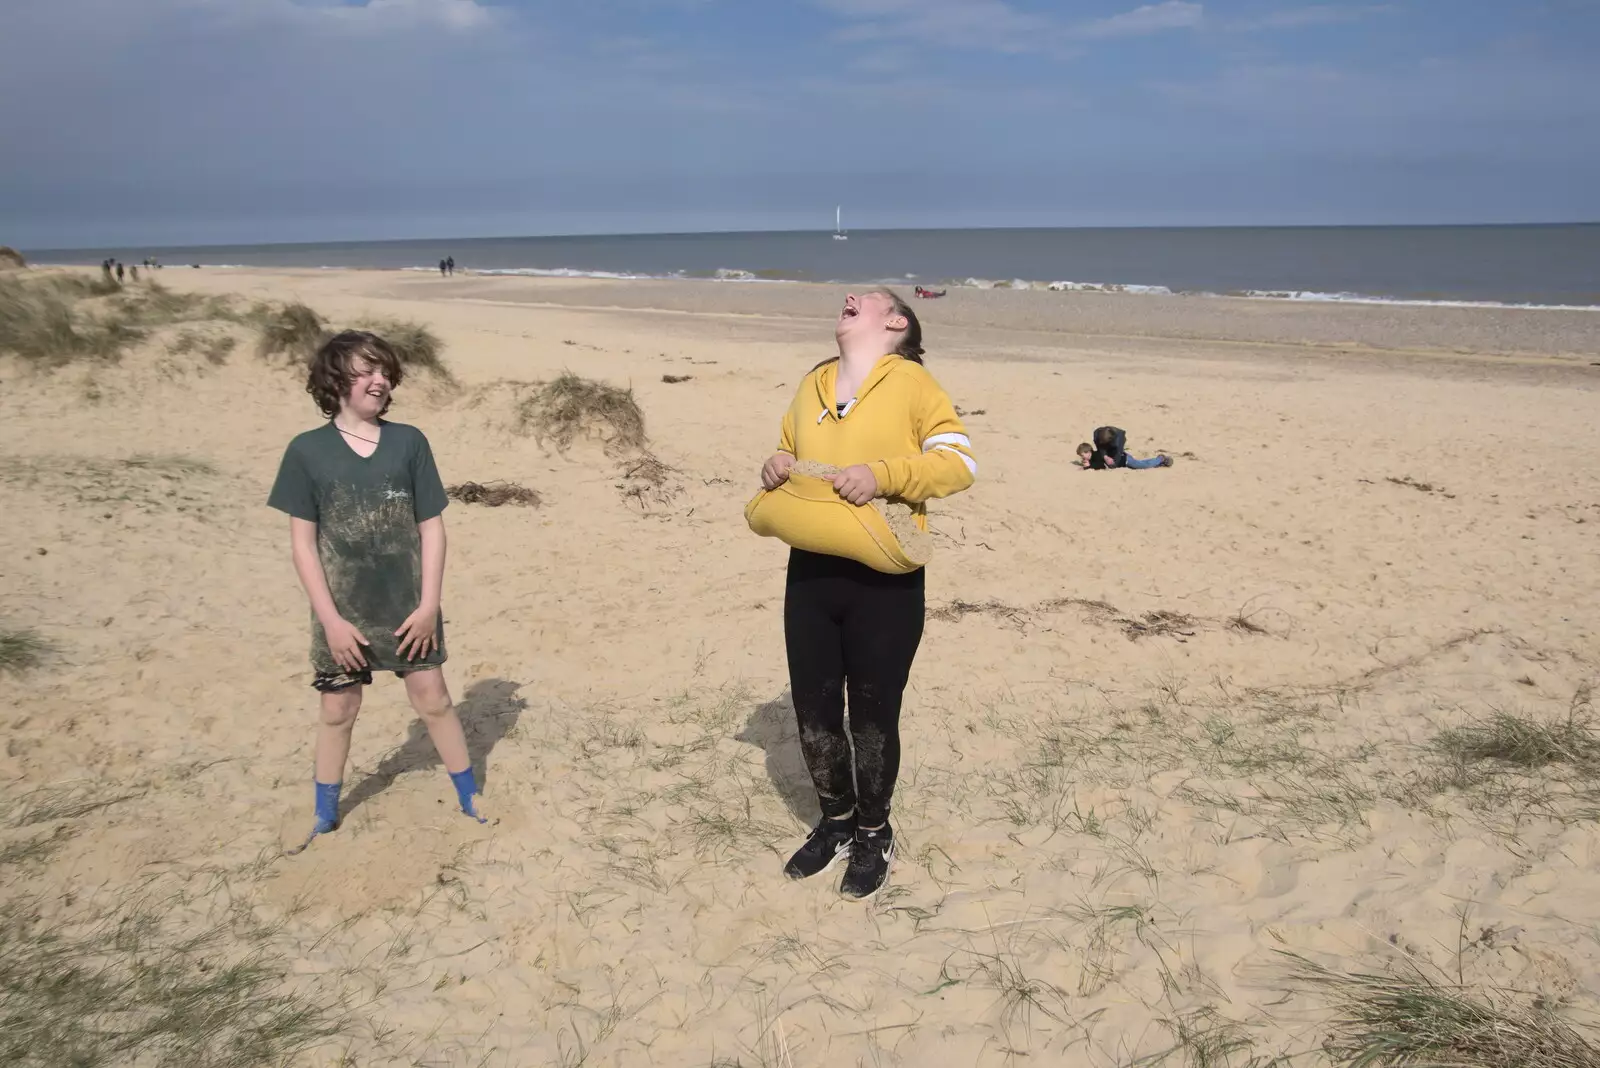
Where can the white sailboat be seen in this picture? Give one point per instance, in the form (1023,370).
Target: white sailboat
(838,231)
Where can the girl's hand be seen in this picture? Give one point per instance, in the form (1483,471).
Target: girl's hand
(856,484)
(419,633)
(775,472)
(345,643)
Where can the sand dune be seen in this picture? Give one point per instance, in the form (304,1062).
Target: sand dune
(1166,726)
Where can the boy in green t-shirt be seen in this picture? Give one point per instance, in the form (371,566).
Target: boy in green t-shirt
(366,529)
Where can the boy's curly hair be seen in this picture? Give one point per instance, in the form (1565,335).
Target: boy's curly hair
(330,372)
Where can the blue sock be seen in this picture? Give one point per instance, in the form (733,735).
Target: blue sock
(466,787)
(328,806)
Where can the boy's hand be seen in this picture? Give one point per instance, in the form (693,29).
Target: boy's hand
(419,633)
(345,642)
(856,484)
(775,472)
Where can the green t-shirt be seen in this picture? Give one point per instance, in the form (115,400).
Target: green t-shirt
(366,510)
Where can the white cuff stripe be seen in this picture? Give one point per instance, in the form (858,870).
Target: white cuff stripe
(947,439)
(972,465)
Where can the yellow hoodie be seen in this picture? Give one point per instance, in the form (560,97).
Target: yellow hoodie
(902,425)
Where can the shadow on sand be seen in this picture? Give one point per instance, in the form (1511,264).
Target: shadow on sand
(772,728)
(488,711)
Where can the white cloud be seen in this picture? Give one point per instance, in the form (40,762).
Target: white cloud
(984,24)
(454,14)
(1152,18)
(1294,18)
(371,16)
(996,25)
(1499,97)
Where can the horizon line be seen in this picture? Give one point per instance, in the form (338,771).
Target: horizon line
(864,230)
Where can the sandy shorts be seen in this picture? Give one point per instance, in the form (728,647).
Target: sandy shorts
(335,681)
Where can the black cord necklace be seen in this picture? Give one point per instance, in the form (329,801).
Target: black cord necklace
(358,437)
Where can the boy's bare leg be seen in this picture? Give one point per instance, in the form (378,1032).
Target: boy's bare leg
(334,728)
(335,721)
(430,697)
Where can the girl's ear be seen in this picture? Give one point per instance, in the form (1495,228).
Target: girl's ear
(896,323)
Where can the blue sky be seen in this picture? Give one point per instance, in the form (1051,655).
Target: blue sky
(179,121)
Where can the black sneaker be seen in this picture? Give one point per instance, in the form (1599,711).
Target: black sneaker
(870,858)
(830,839)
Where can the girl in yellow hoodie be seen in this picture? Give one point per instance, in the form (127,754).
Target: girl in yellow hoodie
(871,423)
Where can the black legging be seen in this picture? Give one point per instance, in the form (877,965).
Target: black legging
(848,626)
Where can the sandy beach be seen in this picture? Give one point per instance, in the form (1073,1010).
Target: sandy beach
(1171,733)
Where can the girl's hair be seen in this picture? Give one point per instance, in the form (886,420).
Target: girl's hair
(330,374)
(910,345)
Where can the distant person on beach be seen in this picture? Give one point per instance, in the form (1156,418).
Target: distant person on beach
(450,262)
(133,272)
(875,416)
(442,266)
(366,530)
(1110,451)
(929,294)
(105,268)
(119,271)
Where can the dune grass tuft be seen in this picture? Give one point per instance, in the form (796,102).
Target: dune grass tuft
(119,988)
(21,651)
(34,850)
(213,345)
(41,323)
(46,321)
(569,407)
(1203,1038)
(418,347)
(68,801)
(57,319)
(78,286)
(153,304)
(295,331)
(292,331)
(1521,742)
(1512,765)
(1414,1020)
(11,259)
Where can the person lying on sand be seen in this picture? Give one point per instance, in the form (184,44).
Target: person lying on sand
(890,431)
(366,530)
(928,293)
(1110,450)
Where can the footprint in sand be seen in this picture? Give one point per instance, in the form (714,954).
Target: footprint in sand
(294,831)
(1273,871)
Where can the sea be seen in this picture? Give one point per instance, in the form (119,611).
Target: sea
(1525,265)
